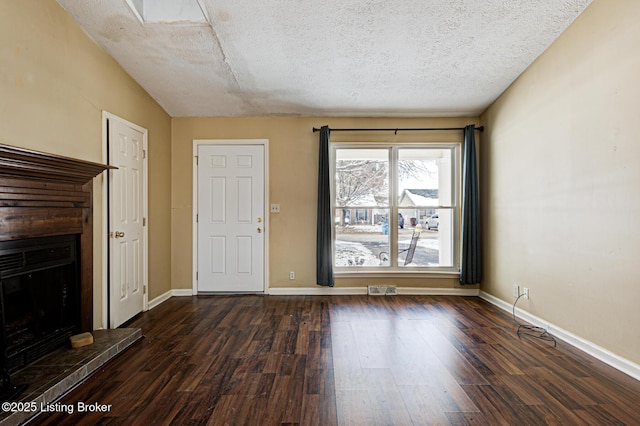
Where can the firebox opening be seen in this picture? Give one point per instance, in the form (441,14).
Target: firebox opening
(39,297)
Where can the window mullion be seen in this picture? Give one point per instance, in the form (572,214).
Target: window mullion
(393,207)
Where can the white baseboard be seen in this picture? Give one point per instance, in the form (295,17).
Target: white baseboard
(316,291)
(181,292)
(415,291)
(158,300)
(348,291)
(626,366)
(168,295)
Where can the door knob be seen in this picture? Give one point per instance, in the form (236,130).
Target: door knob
(119,234)
(259,230)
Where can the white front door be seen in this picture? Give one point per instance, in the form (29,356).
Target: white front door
(127,246)
(230,218)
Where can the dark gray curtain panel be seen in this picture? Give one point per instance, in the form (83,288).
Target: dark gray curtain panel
(324,250)
(471,254)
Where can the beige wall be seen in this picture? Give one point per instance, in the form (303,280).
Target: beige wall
(54,84)
(561,167)
(293,163)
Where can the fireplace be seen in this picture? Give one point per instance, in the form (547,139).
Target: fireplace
(46,255)
(39,303)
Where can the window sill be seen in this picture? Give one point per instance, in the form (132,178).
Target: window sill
(396,274)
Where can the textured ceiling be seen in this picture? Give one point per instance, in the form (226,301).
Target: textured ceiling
(332,57)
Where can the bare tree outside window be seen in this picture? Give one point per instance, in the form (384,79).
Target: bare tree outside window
(357,180)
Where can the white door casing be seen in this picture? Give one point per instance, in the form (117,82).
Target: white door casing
(230,218)
(127,221)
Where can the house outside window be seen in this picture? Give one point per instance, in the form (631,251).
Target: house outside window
(396,207)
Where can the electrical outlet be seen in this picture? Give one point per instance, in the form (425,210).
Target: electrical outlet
(525,292)
(292,275)
(516,291)
(275,208)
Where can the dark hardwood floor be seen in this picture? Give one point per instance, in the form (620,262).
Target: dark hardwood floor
(347,360)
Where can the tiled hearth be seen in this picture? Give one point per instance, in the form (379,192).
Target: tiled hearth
(58,372)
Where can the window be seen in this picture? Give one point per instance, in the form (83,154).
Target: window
(395,207)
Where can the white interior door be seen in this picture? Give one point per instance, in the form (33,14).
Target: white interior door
(127,245)
(230,218)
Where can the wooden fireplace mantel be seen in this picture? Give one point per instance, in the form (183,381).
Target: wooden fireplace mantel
(45,195)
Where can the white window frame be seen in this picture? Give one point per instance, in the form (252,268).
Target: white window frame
(456,191)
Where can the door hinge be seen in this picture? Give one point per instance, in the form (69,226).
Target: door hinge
(144,289)
(196,217)
(196,276)
(144,154)
(144,221)
(196,160)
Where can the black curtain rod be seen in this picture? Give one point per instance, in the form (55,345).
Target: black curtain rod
(399,129)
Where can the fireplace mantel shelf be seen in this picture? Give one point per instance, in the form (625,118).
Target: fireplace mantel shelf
(25,163)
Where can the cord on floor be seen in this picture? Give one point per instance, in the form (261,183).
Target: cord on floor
(531,330)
